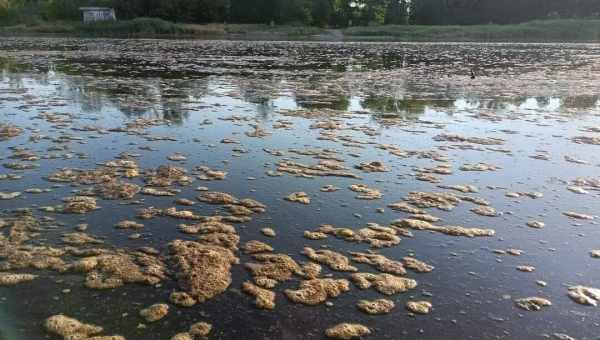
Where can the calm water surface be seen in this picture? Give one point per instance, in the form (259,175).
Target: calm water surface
(535,97)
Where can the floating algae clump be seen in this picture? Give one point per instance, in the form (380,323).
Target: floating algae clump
(79,204)
(416,265)
(316,291)
(384,283)
(9,131)
(167,175)
(265,299)
(182,299)
(254,247)
(278,267)
(365,193)
(299,197)
(199,330)
(419,307)
(215,197)
(203,271)
(72,329)
(442,201)
(115,270)
(155,312)
(448,230)
(585,295)
(380,262)
(376,307)
(532,303)
(347,331)
(117,189)
(335,261)
(373,167)
(11,279)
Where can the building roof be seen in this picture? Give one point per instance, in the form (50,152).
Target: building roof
(95,9)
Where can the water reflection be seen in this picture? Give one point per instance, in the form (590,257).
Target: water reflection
(175,100)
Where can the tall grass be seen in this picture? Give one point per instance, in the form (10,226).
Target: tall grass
(542,30)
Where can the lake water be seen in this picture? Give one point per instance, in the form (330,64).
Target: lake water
(528,104)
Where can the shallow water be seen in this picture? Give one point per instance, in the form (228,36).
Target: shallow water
(535,97)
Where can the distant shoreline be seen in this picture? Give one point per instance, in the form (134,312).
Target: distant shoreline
(545,31)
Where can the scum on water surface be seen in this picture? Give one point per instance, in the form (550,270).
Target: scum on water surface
(223,190)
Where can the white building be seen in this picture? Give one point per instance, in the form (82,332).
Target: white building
(94,14)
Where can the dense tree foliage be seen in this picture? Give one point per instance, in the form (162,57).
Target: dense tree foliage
(335,13)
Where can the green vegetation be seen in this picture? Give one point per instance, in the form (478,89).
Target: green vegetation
(543,30)
(403,20)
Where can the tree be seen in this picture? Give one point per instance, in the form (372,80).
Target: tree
(396,12)
(322,12)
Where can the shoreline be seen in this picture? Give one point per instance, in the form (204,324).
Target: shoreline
(547,31)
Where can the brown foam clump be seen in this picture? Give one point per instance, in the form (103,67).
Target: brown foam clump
(298,197)
(376,307)
(384,283)
(8,131)
(255,247)
(365,193)
(167,175)
(129,225)
(448,230)
(333,260)
(215,197)
(473,140)
(374,166)
(532,303)
(317,291)
(72,329)
(80,239)
(199,330)
(585,295)
(155,312)
(11,279)
(265,299)
(380,262)
(578,216)
(279,267)
(182,299)
(416,265)
(347,331)
(323,168)
(202,270)
(79,204)
(374,234)
(115,270)
(485,211)
(442,201)
(405,207)
(208,174)
(419,307)
(117,189)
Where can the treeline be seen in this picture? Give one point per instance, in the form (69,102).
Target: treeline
(332,13)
